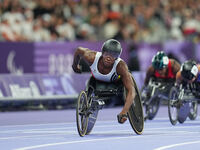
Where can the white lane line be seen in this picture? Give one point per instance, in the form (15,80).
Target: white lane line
(97,132)
(41,131)
(91,140)
(62,133)
(58,133)
(65,123)
(61,123)
(27,125)
(27,130)
(50,132)
(30,136)
(98,124)
(64,128)
(175,145)
(72,142)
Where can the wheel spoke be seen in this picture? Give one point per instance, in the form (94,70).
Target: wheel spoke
(81,114)
(173,106)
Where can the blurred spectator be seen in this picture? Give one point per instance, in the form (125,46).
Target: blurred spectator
(173,56)
(66,29)
(6,31)
(140,21)
(133,62)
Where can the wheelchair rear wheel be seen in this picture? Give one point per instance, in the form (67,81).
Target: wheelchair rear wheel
(135,113)
(173,106)
(82,113)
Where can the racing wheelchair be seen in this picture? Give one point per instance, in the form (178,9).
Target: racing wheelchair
(153,93)
(93,98)
(183,103)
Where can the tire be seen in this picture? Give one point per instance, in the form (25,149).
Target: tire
(82,114)
(92,117)
(135,113)
(183,112)
(144,100)
(193,110)
(172,106)
(153,108)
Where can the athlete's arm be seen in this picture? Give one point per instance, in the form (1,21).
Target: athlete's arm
(149,74)
(198,65)
(178,78)
(82,53)
(175,66)
(122,70)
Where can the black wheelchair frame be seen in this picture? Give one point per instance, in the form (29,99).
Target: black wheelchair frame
(183,103)
(93,98)
(152,94)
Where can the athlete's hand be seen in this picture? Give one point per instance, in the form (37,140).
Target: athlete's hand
(177,85)
(121,118)
(77,68)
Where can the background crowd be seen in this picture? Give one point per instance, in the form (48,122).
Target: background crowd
(68,20)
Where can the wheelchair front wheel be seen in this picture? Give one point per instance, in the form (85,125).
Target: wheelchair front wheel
(82,113)
(152,108)
(135,113)
(193,110)
(183,112)
(172,106)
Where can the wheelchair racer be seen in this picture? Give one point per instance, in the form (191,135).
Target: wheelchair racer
(188,82)
(161,70)
(107,66)
(189,73)
(162,67)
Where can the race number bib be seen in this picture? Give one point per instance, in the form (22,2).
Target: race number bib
(165,60)
(194,70)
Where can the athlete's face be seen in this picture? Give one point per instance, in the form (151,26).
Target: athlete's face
(108,59)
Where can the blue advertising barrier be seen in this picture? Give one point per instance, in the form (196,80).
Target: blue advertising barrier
(47,87)
(56,57)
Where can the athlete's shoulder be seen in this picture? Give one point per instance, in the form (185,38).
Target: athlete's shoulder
(121,63)
(91,55)
(150,69)
(198,66)
(178,74)
(122,67)
(175,65)
(174,61)
(88,54)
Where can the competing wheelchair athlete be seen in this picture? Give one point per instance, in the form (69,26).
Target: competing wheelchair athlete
(184,96)
(160,77)
(110,77)
(156,91)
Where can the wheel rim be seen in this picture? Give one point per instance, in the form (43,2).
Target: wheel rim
(81,114)
(173,109)
(135,115)
(193,108)
(154,106)
(172,106)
